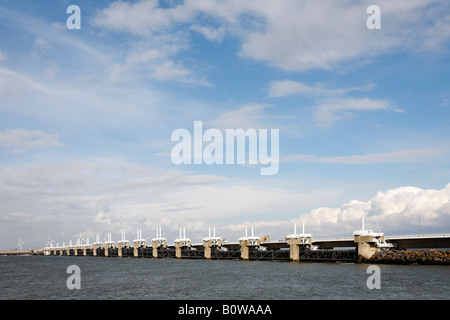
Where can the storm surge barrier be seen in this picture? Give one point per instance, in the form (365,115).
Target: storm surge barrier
(295,247)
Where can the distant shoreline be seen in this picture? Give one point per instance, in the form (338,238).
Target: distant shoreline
(20,252)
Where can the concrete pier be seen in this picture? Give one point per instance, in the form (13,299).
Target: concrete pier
(248,243)
(295,241)
(369,242)
(157,244)
(108,246)
(68,249)
(211,243)
(182,243)
(95,248)
(121,246)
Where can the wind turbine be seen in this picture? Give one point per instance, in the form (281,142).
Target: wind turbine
(50,241)
(20,244)
(80,241)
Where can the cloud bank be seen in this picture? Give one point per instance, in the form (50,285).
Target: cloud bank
(292,35)
(104,195)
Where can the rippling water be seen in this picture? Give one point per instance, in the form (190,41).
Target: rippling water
(45,277)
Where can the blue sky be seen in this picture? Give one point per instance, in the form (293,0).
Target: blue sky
(87,116)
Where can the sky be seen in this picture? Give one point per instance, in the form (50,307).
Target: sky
(87,115)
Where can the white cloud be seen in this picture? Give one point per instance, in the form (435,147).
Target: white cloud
(212,34)
(345,108)
(20,140)
(400,156)
(396,211)
(157,59)
(247,116)
(106,195)
(287,87)
(331,104)
(97,194)
(320,35)
(143,18)
(291,35)
(404,206)
(155,54)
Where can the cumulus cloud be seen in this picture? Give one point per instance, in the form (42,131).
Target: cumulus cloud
(399,211)
(395,211)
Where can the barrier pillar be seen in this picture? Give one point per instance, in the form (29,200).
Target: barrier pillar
(136,249)
(207,245)
(179,245)
(119,249)
(246,242)
(244,249)
(369,242)
(211,242)
(294,249)
(136,246)
(94,249)
(156,244)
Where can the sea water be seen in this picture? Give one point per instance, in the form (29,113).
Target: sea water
(101,278)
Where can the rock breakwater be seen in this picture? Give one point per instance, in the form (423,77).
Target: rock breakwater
(428,257)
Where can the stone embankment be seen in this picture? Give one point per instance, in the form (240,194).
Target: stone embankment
(429,257)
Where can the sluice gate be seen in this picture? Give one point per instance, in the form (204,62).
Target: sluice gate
(254,254)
